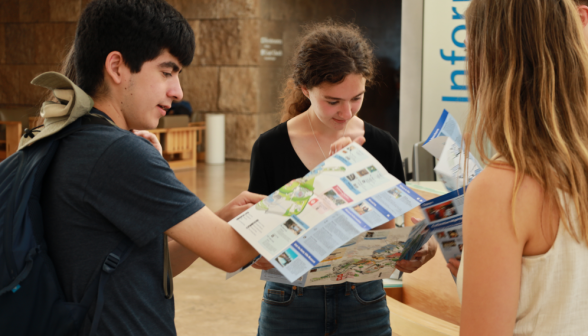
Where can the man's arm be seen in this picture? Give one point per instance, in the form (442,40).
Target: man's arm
(207,235)
(180,257)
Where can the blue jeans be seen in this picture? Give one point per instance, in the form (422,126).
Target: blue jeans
(336,310)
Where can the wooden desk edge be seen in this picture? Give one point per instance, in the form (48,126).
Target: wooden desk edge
(407,321)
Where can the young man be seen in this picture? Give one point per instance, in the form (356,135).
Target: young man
(106,183)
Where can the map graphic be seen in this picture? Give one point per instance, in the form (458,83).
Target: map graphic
(381,259)
(292,198)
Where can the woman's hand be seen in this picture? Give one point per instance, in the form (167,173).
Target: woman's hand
(453,266)
(343,142)
(151,138)
(426,253)
(262,264)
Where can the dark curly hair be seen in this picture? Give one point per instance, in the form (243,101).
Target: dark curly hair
(139,29)
(327,52)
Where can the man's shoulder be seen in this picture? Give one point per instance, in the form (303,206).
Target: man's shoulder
(91,145)
(102,136)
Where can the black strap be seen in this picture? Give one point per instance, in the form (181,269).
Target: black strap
(96,289)
(168,277)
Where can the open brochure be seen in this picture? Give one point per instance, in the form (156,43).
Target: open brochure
(444,218)
(369,256)
(445,143)
(300,224)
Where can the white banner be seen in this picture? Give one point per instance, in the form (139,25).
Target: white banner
(444,62)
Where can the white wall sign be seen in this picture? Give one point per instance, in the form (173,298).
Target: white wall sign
(271,49)
(444,63)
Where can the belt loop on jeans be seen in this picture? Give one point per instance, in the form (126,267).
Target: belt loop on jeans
(348,287)
(298,290)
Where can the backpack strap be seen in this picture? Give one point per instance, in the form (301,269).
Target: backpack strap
(168,277)
(96,289)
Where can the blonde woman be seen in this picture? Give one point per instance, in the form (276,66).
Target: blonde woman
(525,265)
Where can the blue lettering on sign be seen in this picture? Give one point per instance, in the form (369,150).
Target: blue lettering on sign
(456,15)
(453,58)
(455,86)
(455,99)
(455,31)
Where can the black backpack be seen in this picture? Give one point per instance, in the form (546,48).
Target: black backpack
(32,301)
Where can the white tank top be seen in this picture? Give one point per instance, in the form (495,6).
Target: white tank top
(554,289)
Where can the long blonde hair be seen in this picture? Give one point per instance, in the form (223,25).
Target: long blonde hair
(528,83)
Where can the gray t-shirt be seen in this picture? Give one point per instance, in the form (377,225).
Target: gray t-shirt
(105,183)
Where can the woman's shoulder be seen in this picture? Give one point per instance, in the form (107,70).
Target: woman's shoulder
(494,185)
(274,136)
(376,133)
(378,139)
(485,184)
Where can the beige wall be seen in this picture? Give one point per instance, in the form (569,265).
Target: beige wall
(34,36)
(224,76)
(228,74)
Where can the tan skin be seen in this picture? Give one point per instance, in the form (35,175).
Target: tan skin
(489,307)
(333,115)
(137,101)
(453,263)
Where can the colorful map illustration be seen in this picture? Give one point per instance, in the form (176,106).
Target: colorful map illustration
(350,268)
(292,198)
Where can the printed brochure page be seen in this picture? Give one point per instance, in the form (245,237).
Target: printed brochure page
(445,143)
(444,217)
(369,256)
(301,223)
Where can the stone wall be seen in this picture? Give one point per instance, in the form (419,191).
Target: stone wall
(34,38)
(242,51)
(233,72)
(223,78)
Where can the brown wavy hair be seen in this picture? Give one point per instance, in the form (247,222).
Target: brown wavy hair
(528,83)
(327,52)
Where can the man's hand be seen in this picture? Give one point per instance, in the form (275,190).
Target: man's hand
(453,266)
(262,264)
(244,201)
(426,253)
(343,142)
(151,138)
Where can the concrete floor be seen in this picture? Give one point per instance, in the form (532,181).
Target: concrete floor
(206,303)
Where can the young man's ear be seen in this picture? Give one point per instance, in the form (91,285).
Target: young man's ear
(114,67)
